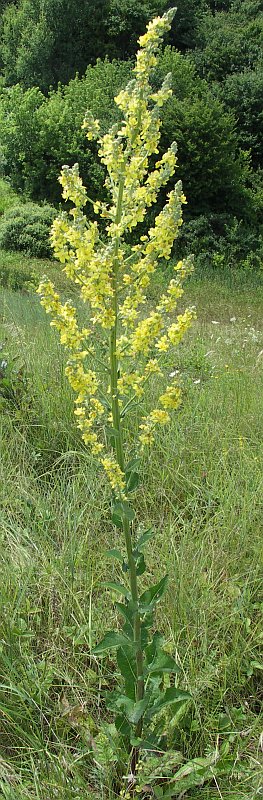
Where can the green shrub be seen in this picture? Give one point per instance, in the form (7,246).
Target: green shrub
(220,242)
(8,198)
(26,228)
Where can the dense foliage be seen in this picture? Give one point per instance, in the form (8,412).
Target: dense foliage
(58,59)
(26,227)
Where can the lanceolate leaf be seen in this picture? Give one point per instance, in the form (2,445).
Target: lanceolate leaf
(132,481)
(144,538)
(123,509)
(167,698)
(163,663)
(140,565)
(149,598)
(123,726)
(133,711)
(127,666)
(115,554)
(126,612)
(117,587)
(111,640)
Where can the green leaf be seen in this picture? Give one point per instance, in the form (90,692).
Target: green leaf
(112,432)
(117,520)
(127,613)
(144,538)
(138,710)
(149,598)
(115,554)
(140,565)
(122,725)
(163,663)
(117,587)
(111,640)
(133,711)
(132,481)
(123,509)
(167,698)
(154,647)
(127,665)
(133,465)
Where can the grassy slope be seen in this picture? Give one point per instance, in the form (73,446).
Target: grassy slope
(203,493)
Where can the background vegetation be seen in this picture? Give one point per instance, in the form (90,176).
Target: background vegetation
(58,59)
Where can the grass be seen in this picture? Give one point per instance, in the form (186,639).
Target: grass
(202,492)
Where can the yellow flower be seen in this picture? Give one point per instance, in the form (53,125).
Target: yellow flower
(114,287)
(171,398)
(114,473)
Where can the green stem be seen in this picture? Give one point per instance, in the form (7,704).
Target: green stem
(120,459)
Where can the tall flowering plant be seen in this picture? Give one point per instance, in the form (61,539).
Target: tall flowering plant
(113,280)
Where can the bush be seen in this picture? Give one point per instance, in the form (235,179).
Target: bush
(220,242)
(8,198)
(27,228)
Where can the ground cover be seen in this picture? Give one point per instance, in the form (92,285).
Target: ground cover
(203,495)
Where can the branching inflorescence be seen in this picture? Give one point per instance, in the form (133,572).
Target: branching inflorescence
(113,278)
(112,284)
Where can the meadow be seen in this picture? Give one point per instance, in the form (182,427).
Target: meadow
(202,494)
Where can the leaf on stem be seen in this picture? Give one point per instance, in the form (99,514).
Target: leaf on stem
(127,665)
(114,553)
(168,698)
(117,587)
(144,538)
(111,640)
(149,598)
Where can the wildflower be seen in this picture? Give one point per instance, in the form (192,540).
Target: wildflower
(171,398)
(112,286)
(114,473)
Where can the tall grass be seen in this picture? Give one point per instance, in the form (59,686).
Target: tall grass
(203,494)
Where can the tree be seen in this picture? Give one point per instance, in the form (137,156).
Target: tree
(242,93)
(47,41)
(229,42)
(39,134)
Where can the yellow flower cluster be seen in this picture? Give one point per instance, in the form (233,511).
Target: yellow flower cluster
(171,398)
(114,473)
(91,125)
(176,331)
(112,284)
(148,426)
(131,380)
